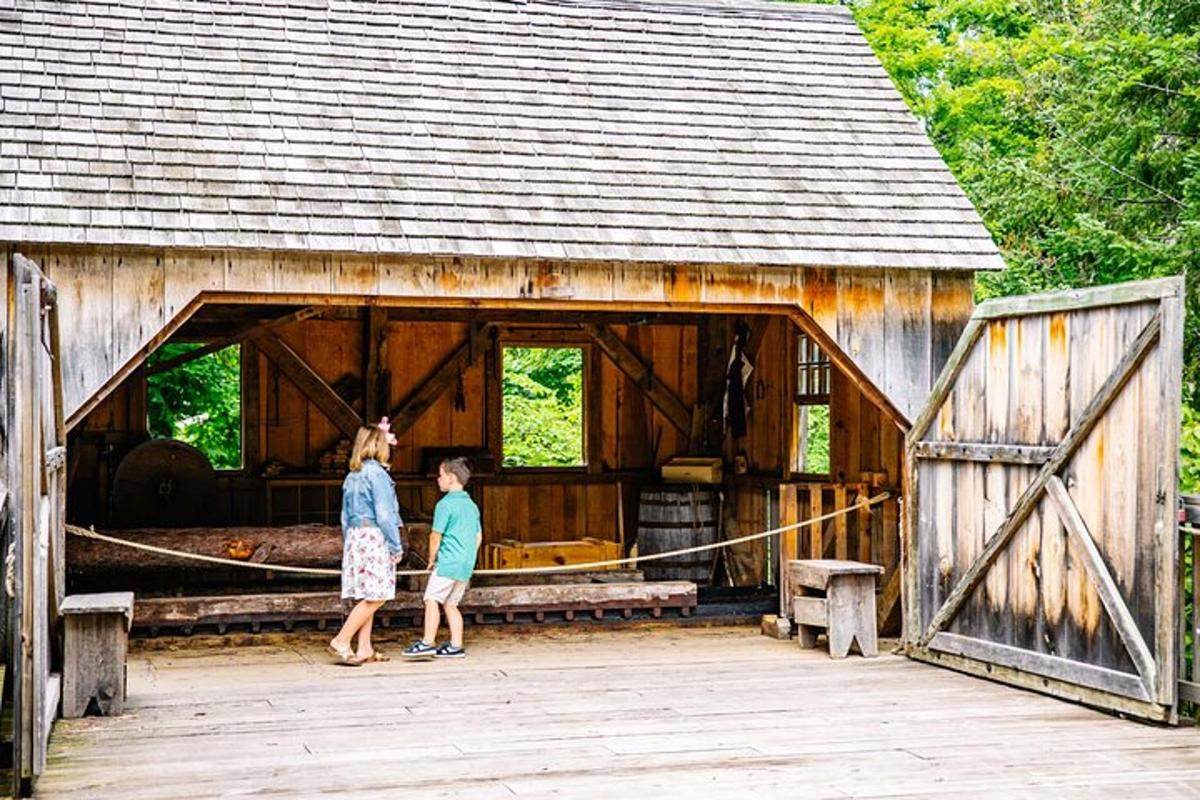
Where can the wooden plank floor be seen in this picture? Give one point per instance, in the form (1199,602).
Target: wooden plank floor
(645,711)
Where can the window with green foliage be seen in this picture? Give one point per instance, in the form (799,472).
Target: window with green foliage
(199,402)
(543,406)
(815,420)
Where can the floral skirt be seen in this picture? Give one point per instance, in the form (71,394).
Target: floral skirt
(367,570)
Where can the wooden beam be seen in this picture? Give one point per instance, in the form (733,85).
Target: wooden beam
(308,382)
(708,431)
(1029,661)
(1028,501)
(992,453)
(593,413)
(374,370)
(1110,595)
(1078,299)
(405,415)
(758,329)
(493,399)
(846,365)
(1065,689)
(186,611)
(221,344)
(252,416)
(789,543)
(632,365)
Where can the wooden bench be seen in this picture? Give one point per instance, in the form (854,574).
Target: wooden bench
(97,636)
(845,608)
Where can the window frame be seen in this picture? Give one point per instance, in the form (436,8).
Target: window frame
(547,339)
(814,378)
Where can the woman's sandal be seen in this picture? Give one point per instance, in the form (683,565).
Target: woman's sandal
(378,657)
(345,657)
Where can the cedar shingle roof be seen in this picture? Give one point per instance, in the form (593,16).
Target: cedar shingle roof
(745,132)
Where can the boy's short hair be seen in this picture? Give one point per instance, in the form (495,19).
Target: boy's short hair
(459,467)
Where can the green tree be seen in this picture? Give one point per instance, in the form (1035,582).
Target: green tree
(543,406)
(199,402)
(1073,126)
(816,442)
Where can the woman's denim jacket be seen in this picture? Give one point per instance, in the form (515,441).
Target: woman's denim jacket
(369,500)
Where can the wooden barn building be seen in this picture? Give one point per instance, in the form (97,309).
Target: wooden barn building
(375,201)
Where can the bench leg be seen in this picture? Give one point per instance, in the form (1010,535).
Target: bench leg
(852,615)
(94,665)
(806,636)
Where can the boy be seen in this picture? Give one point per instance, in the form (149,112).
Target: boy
(453,544)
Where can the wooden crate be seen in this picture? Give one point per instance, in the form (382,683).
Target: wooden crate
(511,554)
(692,470)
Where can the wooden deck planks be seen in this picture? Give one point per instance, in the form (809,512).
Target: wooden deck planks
(640,711)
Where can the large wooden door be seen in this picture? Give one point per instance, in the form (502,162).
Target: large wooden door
(34,514)
(1040,533)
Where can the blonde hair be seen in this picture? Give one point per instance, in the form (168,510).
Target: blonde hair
(370,442)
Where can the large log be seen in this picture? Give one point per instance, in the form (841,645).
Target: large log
(298,546)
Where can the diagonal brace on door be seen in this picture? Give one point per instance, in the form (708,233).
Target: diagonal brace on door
(1110,595)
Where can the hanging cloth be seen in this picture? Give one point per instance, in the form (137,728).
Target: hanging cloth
(737,378)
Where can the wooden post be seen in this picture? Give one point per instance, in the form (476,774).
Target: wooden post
(493,401)
(251,413)
(866,532)
(816,531)
(713,343)
(840,526)
(789,541)
(593,411)
(375,355)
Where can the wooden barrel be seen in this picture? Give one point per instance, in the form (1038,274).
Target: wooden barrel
(673,518)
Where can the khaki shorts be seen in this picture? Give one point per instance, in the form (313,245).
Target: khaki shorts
(446,591)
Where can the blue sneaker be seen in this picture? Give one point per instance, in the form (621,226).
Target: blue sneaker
(419,651)
(448,650)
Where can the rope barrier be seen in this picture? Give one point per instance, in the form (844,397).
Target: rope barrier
(87,533)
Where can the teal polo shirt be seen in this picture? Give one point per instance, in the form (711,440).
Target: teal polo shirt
(456,518)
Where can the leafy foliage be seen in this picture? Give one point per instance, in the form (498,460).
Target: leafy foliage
(543,407)
(1074,126)
(199,402)
(816,442)
(1189,444)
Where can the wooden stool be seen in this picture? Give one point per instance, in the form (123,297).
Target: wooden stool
(847,609)
(97,635)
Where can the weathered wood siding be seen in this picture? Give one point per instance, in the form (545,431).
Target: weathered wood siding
(894,324)
(1084,606)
